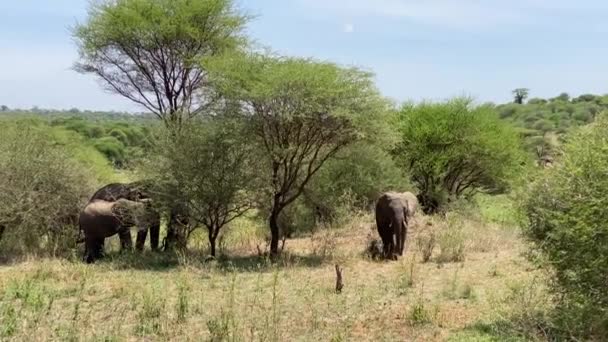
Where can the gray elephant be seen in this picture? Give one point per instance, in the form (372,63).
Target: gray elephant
(393,212)
(135,191)
(138,191)
(102,219)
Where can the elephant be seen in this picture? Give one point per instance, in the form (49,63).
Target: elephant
(102,219)
(135,191)
(138,191)
(393,212)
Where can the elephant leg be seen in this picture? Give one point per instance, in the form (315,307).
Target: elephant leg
(386,248)
(386,241)
(93,250)
(126,242)
(397,241)
(403,236)
(141,239)
(155,235)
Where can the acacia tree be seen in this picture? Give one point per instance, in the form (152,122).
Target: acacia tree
(302,113)
(209,167)
(454,150)
(148,50)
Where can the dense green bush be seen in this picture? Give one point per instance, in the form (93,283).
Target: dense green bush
(353,180)
(208,166)
(566,219)
(454,149)
(42,189)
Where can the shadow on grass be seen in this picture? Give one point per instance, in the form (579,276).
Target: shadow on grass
(254,263)
(497,331)
(162,262)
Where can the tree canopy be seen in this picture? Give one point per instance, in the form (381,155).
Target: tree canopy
(302,113)
(454,149)
(148,50)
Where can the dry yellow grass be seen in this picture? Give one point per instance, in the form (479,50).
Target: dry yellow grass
(244,298)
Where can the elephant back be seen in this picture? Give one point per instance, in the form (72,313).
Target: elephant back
(112,192)
(98,220)
(405,200)
(99,208)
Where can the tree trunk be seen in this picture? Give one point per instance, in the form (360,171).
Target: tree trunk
(2,228)
(274,232)
(212,239)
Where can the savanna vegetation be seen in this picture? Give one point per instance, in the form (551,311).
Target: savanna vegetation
(266,169)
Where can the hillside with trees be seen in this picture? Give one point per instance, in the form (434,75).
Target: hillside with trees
(544,122)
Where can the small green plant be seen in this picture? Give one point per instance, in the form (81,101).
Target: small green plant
(426,242)
(150,314)
(8,320)
(457,291)
(452,243)
(225,326)
(182,301)
(219,328)
(407,275)
(337,338)
(276,315)
(420,314)
(468,292)
(324,245)
(494,271)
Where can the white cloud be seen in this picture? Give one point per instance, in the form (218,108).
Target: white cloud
(348,28)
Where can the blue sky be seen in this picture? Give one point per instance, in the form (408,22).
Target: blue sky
(418,49)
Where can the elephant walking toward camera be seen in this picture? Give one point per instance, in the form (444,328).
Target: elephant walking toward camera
(102,219)
(393,212)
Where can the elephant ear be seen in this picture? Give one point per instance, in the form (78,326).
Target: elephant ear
(120,210)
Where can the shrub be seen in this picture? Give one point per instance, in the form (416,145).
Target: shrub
(452,242)
(566,219)
(112,148)
(209,167)
(41,192)
(426,241)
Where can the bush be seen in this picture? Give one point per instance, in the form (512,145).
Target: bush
(41,192)
(566,219)
(112,148)
(353,180)
(452,245)
(453,150)
(426,241)
(209,167)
